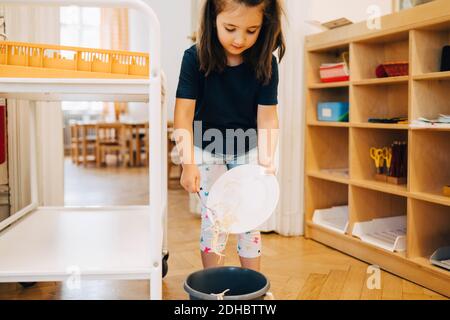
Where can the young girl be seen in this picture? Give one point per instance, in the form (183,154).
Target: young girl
(226,106)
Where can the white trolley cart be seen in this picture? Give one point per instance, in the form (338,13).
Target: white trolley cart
(57,244)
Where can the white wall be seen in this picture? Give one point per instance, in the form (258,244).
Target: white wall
(175,19)
(354,10)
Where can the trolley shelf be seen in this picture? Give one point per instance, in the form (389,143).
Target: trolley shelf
(47,89)
(52,244)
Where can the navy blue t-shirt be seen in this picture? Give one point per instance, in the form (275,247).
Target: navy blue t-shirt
(226,100)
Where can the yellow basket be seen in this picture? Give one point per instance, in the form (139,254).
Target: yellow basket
(31,60)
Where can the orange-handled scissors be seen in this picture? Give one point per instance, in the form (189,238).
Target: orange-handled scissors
(388,158)
(378,155)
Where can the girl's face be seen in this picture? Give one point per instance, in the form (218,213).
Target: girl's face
(238,27)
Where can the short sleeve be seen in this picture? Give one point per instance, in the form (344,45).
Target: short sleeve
(188,80)
(268,94)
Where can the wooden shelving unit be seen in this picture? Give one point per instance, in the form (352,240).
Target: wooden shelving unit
(417,36)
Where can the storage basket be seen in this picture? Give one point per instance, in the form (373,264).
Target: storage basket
(393,69)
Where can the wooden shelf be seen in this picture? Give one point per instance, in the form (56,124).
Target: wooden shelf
(369,125)
(416,36)
(329,176)
(381,81)
(430,129)
(381,186)
(435,197)
(426,264)
(329,124)
(311,224)
(433,76)
(329,85)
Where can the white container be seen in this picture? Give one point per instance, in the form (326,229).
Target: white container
(335,218)
(386,233)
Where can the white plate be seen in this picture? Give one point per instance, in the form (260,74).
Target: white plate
(245,196)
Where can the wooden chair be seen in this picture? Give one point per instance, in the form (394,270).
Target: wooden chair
(147,143)
(89,143)
(127,131)
(141,135)
(75,143)
(110,140)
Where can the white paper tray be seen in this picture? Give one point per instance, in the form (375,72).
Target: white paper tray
(441,258)
(335,218)
(386,233)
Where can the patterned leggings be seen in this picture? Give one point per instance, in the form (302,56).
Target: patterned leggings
(211,168)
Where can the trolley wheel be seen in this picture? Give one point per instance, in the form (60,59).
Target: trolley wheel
(26,285)
(165,266)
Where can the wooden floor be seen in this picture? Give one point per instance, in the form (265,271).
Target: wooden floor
(297,268)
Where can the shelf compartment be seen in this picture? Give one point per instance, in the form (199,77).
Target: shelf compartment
(426,48)
(386,101)
(335,219)
(430,99)
(428,228)
(430,162)
(323,194)
(362,166)
(316,58)
(367,55)
(386,233)
(339,94)
(327,148)
(367,204)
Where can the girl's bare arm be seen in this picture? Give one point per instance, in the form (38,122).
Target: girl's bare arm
(268,132)
(184,117)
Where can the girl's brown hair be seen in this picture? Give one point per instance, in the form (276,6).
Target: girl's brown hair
(211,53)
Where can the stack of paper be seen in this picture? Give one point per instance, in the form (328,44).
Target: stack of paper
(442,122)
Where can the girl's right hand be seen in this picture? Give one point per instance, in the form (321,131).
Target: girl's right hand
(190,178)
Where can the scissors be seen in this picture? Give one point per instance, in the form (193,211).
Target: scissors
(388,158)
(379,155)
